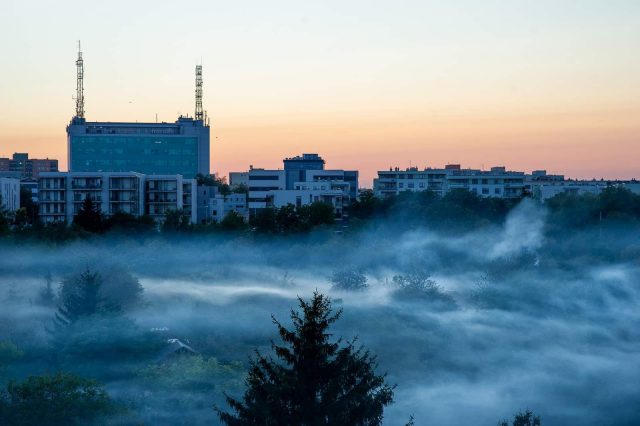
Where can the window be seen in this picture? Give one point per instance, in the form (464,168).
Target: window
(485,191)
(421,184)
(401,185)
(496,191)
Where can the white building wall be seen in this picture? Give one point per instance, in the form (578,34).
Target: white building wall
(61,194)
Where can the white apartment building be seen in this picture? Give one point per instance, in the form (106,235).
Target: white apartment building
(61,194)
(259,182)
(221,205)
(303,181)
(9,194)
(498,182)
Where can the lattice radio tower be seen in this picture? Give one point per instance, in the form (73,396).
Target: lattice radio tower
(79,86)
(199,112)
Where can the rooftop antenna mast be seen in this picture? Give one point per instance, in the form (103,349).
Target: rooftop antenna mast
(199,115)
(80,87)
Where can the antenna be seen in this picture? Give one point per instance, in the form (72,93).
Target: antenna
(199,115)
(79,85)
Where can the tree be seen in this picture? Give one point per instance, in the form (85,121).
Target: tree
(523,419)
(214,180)
(5,219)
(232,221)
(264,221)
(175,221)
(89,217)
(61,399)
(316,381)
(26,202)
(416,286)
(349,280)
(82,299)
(46,296)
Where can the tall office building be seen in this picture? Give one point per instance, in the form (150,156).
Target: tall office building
(180,148)
(148,148)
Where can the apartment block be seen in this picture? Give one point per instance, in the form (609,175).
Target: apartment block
(497,182)
(62,194)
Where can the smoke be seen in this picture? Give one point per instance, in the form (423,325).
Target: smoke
(541,321)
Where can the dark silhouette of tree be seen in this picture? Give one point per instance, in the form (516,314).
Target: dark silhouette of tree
(523,419)
(176,221)
(130,224)
(89,217)
(31,208)
(214,180)
(82,299)
(232,221)
(46,295)
(349,280)
(264,221)
(316,381)
(5,219)
(62,399)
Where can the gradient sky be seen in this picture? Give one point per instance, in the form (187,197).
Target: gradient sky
(532,84)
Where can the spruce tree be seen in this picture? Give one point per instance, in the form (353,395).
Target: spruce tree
(315,382)
(89,217)
(82,300)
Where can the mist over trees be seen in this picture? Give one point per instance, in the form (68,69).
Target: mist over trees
(459,317)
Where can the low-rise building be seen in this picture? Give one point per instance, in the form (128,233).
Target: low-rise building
(303,180)
(497,182)
(27,168)
(61,194)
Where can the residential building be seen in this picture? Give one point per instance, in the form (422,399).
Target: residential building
(497,182)
(27,168)
(180,148)
(62,194)
(9,194)
(302,181)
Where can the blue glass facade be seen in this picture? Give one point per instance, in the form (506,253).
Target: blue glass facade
(142,154)
(149,148)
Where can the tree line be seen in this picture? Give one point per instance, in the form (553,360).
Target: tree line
(457,210)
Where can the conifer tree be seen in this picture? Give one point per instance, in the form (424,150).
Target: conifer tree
(82,300)
(315,382)
(89,216)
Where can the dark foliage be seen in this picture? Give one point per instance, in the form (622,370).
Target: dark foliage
(291,219)
(61,399)
(81,298)
(89,217)
(316,382)
(417,286)
(176,221)
(46,295)
(348,280)
(233,221)
(523,419)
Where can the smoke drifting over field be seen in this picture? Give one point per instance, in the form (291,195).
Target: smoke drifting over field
(537,321)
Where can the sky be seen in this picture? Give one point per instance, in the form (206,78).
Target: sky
(546,84)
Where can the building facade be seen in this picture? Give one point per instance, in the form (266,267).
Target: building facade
(27,168)
(303,180)
(62,194)
(180,148)
(9,194)
(497,182)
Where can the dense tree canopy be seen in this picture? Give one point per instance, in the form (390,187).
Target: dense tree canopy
(61,399)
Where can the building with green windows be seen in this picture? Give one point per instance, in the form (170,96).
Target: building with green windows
(180,148)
